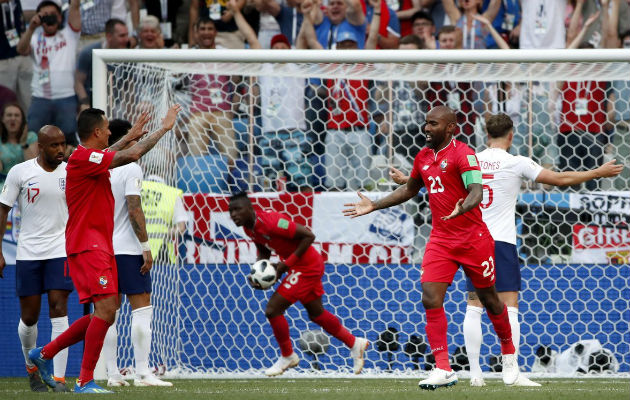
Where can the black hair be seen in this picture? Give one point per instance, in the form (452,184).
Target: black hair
(413,39)
(111,24)
(204,19)
(46,3)
(118,128)
(89,119)
(422,15)
(239,196)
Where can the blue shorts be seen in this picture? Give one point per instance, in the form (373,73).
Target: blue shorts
(130,280)
(507,269)
(34,277)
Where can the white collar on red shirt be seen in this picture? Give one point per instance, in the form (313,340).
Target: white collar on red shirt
(435,153)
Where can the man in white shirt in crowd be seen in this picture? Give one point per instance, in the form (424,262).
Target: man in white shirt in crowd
(52,43)
(39,187)
(134,260)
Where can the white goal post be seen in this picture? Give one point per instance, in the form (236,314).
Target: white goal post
(574,244)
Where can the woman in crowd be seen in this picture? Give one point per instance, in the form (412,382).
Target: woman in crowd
(17,142)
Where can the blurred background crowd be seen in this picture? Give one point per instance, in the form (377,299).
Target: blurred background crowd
(309,132)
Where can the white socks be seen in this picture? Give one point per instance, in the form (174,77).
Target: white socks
(473,338)
(28,338)
(110,349)
(516,327)
(141,338)
(60,361)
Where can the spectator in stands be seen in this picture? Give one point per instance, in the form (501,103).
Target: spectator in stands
(150,33)
(347,142)
(422,26)
(18,142)
(408,105)
(166,13)
(507,23)
(474,32)
(283,142)
(94,16)
(288,16)
(16,71)
(435,9)
(405,12)
(116,37)
(389,26)
(595,35)
(227,35)
(459,96)
(211,103)
(542,24)
(583,117)
(339,15)
(53,45)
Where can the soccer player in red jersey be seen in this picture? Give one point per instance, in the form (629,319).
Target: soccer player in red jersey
(303,283)
(89,231)
(449,170)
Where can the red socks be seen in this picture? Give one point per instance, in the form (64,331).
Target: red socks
(280,328)
(331,324)
(436,335)
(501,324)
(94,337)
(74,334)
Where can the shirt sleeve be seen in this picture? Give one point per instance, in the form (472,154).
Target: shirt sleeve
(280,225)
(10,189)
(528,168)
(467,161)
(91,162)
(31,137)
(133,181)
(179,212)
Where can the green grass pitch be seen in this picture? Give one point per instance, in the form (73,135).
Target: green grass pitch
(346,389)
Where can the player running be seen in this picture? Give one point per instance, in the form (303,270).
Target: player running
(89,237)
(134,262)
(303,283)
(449,170)
(39,187)
(502,176)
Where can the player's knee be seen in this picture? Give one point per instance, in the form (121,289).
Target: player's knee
(57,310)
(271,312)
(29,319)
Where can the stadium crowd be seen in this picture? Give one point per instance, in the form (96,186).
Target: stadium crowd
(324,127)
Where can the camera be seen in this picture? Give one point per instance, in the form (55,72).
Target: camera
(49,19)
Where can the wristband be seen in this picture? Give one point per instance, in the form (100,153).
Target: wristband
(379,14)
(290,262)
(145,246)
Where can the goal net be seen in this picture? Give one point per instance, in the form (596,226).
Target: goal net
(303,131)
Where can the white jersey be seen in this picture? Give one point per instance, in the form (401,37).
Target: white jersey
(41,197)
(126,181)
(502,175)
(542,24)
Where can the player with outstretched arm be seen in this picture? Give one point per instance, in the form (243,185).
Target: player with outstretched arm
(449,170)
(304,266)
(89,231)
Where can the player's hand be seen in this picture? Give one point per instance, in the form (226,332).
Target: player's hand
(139,128)
(458,210)
(397,176)
(2,265)
(281,268)
(252,284)
(148,262)
(364,206)
(169,121)
(610,169)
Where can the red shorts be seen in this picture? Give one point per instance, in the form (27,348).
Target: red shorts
(93,273)
(303,283)
(442,259)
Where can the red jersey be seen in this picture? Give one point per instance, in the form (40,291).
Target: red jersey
(583,107)
(90,201)
(276,231)
(441,173)
(347,104)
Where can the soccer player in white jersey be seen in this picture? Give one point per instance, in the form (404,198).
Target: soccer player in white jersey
(502,176)
(38,185)
(134,260)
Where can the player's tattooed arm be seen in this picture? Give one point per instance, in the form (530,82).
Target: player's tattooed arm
(139,149)
(135,132)
(139,226)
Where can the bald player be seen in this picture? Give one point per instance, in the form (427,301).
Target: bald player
(38,185)
(449,170)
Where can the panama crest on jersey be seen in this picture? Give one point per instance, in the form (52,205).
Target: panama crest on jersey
(443,165)
(102,281)
(62,184)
